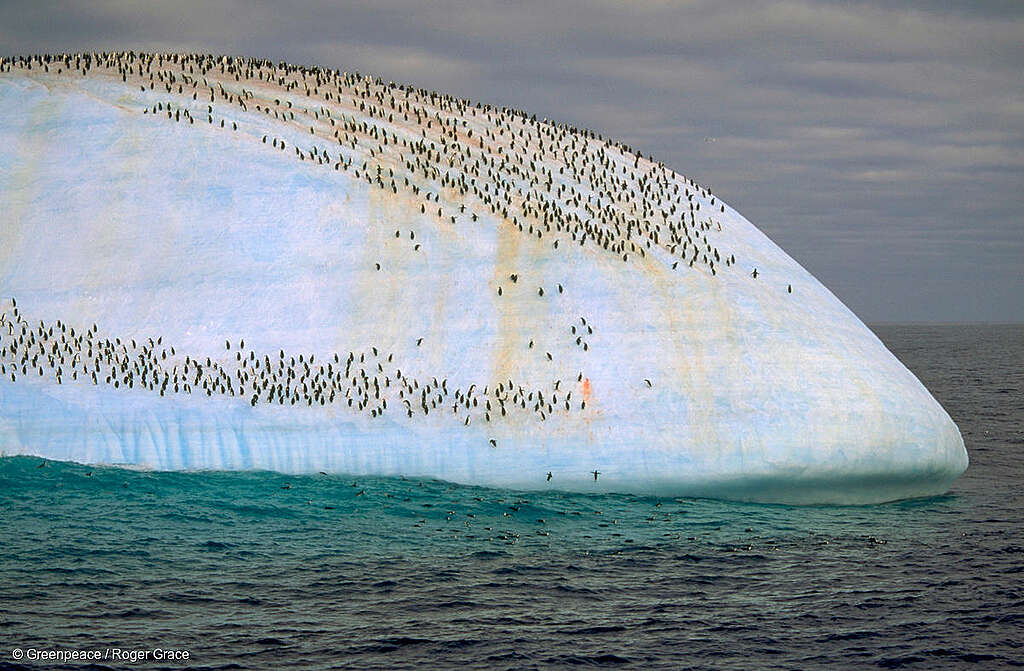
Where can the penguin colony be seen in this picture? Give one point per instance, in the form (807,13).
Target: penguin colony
(556,183)
(363,381)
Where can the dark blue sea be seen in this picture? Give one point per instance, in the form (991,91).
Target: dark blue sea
(267,571)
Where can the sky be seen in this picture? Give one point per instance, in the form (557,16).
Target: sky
(881,144)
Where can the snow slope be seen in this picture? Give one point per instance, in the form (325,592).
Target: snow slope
(248,208)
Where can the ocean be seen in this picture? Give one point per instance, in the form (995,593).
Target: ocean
(259,570)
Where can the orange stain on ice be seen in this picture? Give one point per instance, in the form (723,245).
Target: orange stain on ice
(586,389)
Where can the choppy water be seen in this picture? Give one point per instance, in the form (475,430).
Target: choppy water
(260,570)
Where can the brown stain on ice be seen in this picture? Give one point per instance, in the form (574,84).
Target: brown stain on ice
(378,294)
(448,253)
(683,323)
(506,255)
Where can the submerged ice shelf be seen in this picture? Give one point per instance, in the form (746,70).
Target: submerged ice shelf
(232,264)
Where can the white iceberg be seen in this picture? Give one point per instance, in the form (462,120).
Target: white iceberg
(548,321)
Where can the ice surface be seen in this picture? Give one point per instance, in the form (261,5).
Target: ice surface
(199,234)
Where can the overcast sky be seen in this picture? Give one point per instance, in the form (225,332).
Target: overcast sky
(880,144)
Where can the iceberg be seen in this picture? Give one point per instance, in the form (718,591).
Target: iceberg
(210,262)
